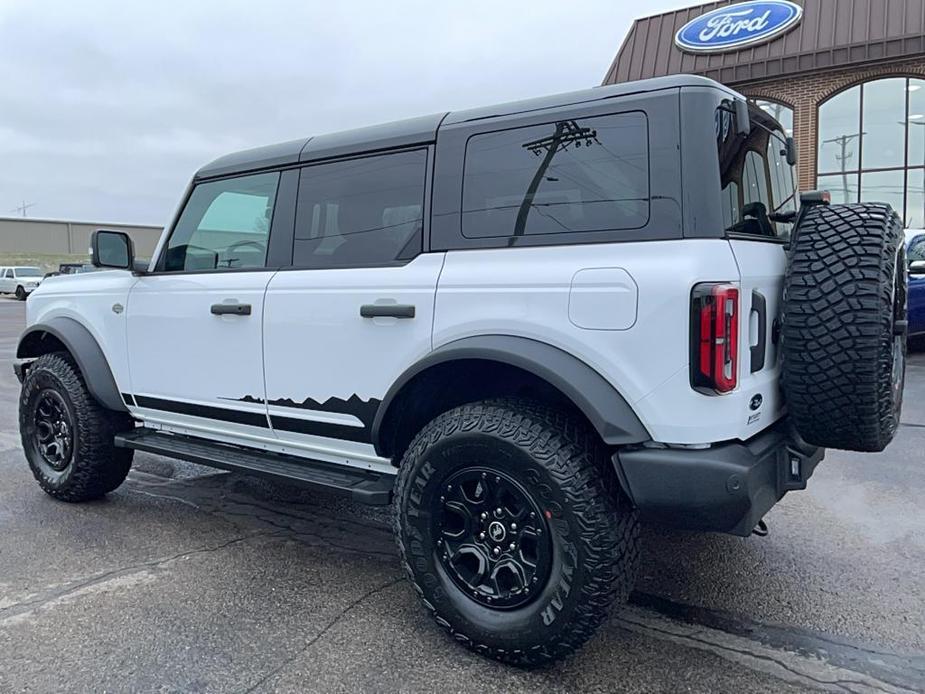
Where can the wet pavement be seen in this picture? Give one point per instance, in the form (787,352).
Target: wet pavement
(188,579)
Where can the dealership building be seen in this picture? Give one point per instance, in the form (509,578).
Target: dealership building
(846,77)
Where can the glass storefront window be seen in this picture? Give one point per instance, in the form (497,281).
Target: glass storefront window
(916,122)
(915,199)
(840,132)
(843,187)
(883,139)
(884,186)
(781,113)
(871,146)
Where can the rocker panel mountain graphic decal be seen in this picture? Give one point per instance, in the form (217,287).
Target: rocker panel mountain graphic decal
(364,410)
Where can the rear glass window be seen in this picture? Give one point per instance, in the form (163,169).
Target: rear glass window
(579,175)
(757,182)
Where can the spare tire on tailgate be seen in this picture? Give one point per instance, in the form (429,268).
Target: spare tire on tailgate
(844,326)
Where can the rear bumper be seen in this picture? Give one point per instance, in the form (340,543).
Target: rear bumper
(726,488)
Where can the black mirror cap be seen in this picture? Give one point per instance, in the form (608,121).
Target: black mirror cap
(743,121)
(790,151)
(112,249)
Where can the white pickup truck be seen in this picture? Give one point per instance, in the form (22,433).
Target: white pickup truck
(20,281)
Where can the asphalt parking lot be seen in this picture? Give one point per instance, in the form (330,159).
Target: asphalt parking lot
(193,580)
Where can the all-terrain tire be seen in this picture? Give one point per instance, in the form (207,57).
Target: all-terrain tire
(20,293)
(844,323)
(93,466)
(593,530)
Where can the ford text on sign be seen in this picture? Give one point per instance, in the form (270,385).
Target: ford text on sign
(735,26)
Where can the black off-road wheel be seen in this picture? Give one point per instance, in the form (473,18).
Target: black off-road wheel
(66,435)
(513,529)
(20,293)
(844,326)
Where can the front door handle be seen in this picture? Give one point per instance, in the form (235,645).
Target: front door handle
(231,309)
(387,311)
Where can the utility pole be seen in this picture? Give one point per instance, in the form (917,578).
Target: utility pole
(22,208)
(842,141)
(567,132)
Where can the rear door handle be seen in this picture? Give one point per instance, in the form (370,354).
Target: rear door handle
(231,309)
(387,311)
(758,352)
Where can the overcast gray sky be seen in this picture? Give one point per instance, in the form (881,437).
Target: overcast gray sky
(107,108)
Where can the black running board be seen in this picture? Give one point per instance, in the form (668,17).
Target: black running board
(364,486)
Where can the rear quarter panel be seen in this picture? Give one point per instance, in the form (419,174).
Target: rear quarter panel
(527,292)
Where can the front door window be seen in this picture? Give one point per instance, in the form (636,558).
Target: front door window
(224,226)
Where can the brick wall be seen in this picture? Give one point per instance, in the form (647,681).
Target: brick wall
(804,93)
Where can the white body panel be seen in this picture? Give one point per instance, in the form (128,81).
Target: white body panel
(621,308)
(89,300)
(318,348)
(762,265)
(638,340)
(179,351)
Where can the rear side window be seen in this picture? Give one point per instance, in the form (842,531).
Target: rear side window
(361,212)
(579,175)
(757,182)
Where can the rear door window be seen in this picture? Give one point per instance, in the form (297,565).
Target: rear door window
(361,212)
(576,175)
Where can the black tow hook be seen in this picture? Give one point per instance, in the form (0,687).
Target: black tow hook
(761,530)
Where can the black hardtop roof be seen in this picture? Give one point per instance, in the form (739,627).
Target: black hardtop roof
(423,130)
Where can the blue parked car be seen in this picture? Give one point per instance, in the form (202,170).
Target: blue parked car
(915,256)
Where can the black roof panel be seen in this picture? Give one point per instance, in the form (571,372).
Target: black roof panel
(422,129)
(257,158)
(580,97)
(400,133)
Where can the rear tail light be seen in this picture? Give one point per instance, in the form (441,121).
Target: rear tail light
(714,337)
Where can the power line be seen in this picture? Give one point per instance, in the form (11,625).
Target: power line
(22,208)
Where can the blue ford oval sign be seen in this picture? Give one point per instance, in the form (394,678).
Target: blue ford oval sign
(734,26)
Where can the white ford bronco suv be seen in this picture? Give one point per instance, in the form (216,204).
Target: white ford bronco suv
(529,326)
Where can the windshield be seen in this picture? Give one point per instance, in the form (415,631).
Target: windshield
(915,246)
(757,182)
(28,272)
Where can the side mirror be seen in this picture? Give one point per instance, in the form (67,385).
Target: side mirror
(755,209)
(112,249)
(790,151)
(743,121)
(917,267)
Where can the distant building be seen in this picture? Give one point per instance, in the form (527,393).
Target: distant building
(25,235)
(847,77)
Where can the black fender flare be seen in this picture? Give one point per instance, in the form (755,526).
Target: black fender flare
(85,350)
(606,409)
